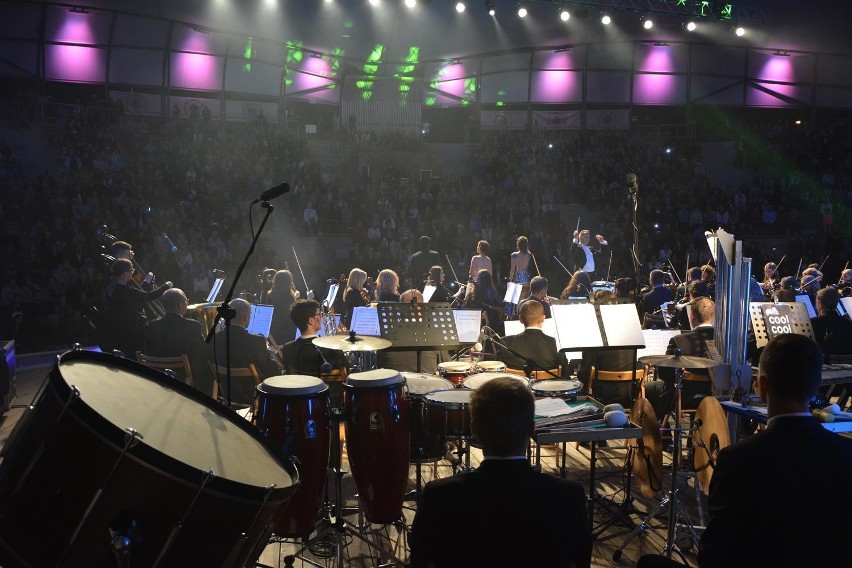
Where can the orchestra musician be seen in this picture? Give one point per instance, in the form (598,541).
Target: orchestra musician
(282,295)
(832,331)
(580,286)
(770,280)
(354,296)
(486,298)
(420,262)
(811,277)
(659,293)
(582,254)
(124,315)
(708,275)
(387,286)
(844,285)
(532,343)
(519,266)
(481,260)
(680,318)
(407,360)
(538,293)
(682,292)
(436,279)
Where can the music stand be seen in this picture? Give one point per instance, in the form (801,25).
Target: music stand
(798,320)
(418,327)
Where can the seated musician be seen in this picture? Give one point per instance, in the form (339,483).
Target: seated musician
(387,286)
(811,278)
(538,293)
(246,349)
(660,393)
(504,505)
(781,491)
(436,279)
(680,318)
(282,294)
(354,296)
(832,331)
(659,293)
(532,343)
(174,334)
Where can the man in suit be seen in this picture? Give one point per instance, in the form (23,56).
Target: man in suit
(777,498)
(509,514)
(173,335)
(421,261)
(532,343)
(659,294)
(832,331)
(585,256)
(538,293)
(246,349)
(660,393)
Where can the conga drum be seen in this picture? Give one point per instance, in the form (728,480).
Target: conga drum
(293,411)
(473,382)
(426,446)
(118,459)
(455,371)
(491,367)
(377,422)
(556,388)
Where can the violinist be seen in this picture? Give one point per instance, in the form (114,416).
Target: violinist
(387,286)
(354,296)
(844,286)
(832,331)
(659,293)
(770,280)
(811,278)
(436,279)
(708,275)
(538,293)
(682,292)
(680,317)
(282,295)
(580,286)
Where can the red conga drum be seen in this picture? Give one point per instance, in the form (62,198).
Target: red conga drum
(293,411)
(116,456)
(377,424)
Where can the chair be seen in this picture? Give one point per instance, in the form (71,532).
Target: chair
(615,379)
(536,375)
(236,372)
(168,363)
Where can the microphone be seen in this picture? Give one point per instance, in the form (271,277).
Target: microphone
(632,183)
(169,243)
(483,335)
(273,192)
(325,366)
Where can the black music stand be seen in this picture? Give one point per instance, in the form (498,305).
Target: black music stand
(418,327)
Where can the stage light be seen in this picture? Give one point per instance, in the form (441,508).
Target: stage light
(605,19)
(690,26)
(411,3)
(460,7)
(522,11)
(374,2)
(489,5)
(647,23)
(564,15)
(740,31)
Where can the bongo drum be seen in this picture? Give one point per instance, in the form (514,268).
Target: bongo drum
(556,388)
(473,382)
(448,413)
(293,411)
(491,367)
(454,371)
(118,457)
(425,445)
(377,423)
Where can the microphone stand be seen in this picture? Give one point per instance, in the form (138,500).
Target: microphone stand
(226,312)
(633,191)
(529,363)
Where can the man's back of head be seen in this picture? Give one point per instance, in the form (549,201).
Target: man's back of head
(703,310)
(538,285)
(827,300)
(302,311)
(790,369)
(425,243)
(501,416)
(531,313)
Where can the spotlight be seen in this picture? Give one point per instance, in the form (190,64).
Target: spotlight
(647,23)
(374,2)
(522,11)
(411,3)
(460,7)
(740,31)
(690,26)
(564,15)
(489,5)
(605,19)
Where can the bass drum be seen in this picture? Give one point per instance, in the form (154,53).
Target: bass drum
(116,456)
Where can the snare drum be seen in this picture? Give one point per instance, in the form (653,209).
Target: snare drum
(473,382)
(377,425)
(491,367)
(116,454)
(293,411)
(556,388)
(449,413)
(425,445)
(455,371)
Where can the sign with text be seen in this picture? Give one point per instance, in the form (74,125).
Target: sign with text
(778,319)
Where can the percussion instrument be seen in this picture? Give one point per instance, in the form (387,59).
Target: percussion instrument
(449,413)
(556,388)
(711,435)
(293,412)
(352,342)
(425,445)
(119,461)
(454,371)
(473,382)
(646,453)
(377,424)
(678,361)
(490,367)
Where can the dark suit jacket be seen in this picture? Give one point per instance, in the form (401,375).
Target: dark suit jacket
(301,357)
(419,265)
(578,256)
(531,343)
(652,300)
(501,514)
(544,305)
(173,335)
(834,334)
(779,498)
(246,349)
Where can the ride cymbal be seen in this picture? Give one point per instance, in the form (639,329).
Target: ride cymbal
(646,452)
(710,436)
(352,342)
(678,361)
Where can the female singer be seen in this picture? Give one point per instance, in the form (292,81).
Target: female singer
(436,279)
(486,298)
(387,286)
(282,294)
(519,268)
(354,296)
(580,286)
(481,261)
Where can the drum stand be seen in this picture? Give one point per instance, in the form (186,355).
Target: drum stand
(670,499)
(336,527)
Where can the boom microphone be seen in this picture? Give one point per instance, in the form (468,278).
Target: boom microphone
(273,192)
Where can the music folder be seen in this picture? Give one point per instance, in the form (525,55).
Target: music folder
(261,319)
(214,290)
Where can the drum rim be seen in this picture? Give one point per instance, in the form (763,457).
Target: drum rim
(444,382)
(577,385)
(459,366)
(356,382)
(476,377)
(150,457)
(315,388)
(449,403)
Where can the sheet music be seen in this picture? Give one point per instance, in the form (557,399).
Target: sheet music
(365,321)
(656,341)
(214,291)
(846,304)
(621,325)
(332,294)
(513,327)
(468,324)
(806,300)
(556,407)
(428,290)
(260,320)
(576,326)
(513,293)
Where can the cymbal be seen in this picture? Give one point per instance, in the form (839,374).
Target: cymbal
(678,361)
(352,343)
(646,453)
(711,435)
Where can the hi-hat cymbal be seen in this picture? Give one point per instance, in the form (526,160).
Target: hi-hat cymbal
(352,342)
(646,452)
(711,435)
(678,361)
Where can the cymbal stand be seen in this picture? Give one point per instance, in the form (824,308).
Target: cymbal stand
(336,527)
(670,499)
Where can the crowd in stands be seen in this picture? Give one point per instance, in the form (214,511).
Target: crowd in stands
(192,179)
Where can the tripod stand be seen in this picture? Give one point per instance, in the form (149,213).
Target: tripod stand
(670,499)
(336,530)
